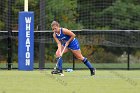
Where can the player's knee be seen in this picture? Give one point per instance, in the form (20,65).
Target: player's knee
(57,54)
(80,58)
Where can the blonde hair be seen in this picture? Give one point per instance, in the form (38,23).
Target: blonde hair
(55,23)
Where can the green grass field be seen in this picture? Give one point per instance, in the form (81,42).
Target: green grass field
(81,65)
(79,81)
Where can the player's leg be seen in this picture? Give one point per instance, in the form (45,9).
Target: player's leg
(79,56)
(59,59)
(58,53)
(75,48)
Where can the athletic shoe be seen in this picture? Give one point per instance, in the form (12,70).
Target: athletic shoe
(54,72)
(61,74)
(92,71)
(57,72)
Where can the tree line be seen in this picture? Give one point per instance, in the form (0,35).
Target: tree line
(79,14)
(75,14)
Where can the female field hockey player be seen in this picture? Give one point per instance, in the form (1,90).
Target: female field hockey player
(65,37)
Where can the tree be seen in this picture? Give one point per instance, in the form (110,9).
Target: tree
(2,14)
(109,14)
(90,13)
(124,15)
(63,11)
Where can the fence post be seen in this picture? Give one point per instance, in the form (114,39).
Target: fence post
(73,59)
(26,41)
(9,24)
(128,58)
(42,27)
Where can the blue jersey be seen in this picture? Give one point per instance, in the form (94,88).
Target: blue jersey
(74,44)
(62,37)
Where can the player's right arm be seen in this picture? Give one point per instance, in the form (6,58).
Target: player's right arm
(58,42)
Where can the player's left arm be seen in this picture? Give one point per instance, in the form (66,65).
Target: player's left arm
(69,33)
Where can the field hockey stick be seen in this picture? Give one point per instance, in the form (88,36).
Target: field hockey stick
(60,57)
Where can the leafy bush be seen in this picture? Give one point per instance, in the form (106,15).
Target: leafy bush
(101,56)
